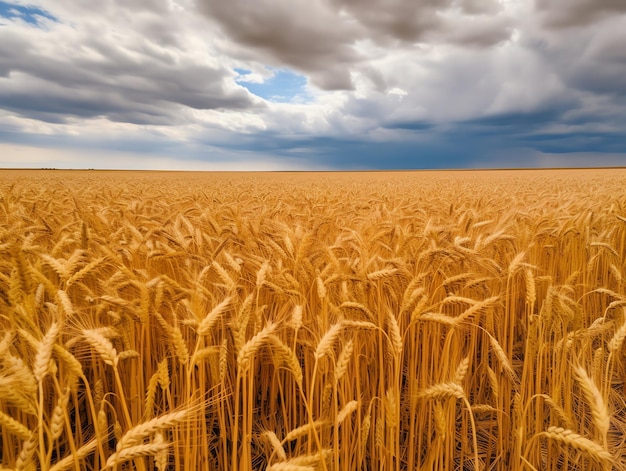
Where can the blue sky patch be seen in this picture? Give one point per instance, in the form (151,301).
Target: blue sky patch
(285,86)
(29,14)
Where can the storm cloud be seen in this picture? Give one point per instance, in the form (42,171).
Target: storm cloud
(317,83)
(123,62)
(573,13)
(321,37)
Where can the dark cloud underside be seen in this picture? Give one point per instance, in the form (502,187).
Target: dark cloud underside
(571,13)
(319,37)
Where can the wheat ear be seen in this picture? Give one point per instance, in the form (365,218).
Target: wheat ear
(206,324)
(344,360)
(461,370)
(288,357)
(296,318)
(442,391)
(57,421)
(15,427)
(578,442)
(137,434)
(289,466)
(302,463)
(137,451)
(250,348)
(326,342)
(617,340)
(160,457)
(303,430)
(25,457)
(348,409)
(102,346)
(276,445)
(44,352)
(599,409)
(395,336)
(70,461)
(497,349)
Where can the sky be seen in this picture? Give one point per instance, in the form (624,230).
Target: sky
(312,84)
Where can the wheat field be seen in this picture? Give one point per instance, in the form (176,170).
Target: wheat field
(313,321)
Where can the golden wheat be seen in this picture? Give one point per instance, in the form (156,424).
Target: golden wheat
(399,321)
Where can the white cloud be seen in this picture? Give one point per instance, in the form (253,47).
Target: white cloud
(115,60)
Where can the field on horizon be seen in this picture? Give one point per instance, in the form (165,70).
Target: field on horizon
(440,320)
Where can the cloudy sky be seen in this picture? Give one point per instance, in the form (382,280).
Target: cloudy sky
(312,84)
